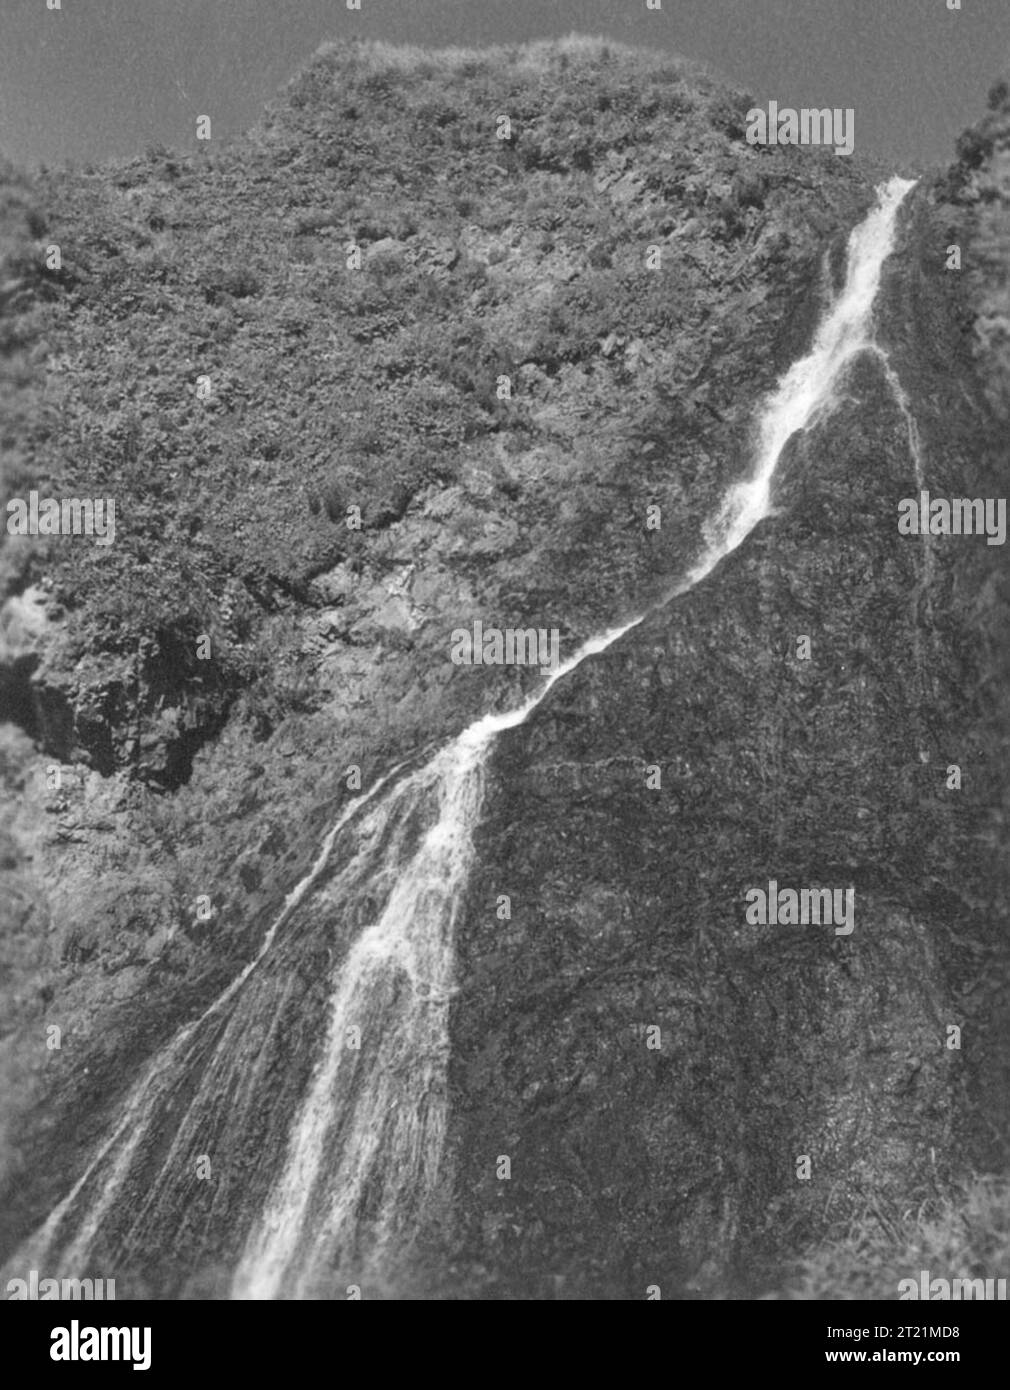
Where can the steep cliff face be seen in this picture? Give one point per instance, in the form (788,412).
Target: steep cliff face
(628,901)
(654,1064)
(976,191)
(334,386)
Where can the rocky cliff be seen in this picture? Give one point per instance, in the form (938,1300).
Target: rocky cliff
(374,302)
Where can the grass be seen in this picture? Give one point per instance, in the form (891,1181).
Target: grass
(963,1235)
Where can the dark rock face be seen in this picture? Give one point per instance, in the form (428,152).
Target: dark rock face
(677,1166)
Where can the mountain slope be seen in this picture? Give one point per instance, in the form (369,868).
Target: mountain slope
(332,387)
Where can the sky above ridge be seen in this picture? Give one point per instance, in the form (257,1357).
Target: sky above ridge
(101,79)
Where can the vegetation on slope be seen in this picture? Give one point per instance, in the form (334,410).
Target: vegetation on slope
(334,387)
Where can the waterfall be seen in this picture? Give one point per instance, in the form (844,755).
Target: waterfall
(809,390)
(364,1146)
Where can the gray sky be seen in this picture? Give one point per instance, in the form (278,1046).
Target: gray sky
(102,78)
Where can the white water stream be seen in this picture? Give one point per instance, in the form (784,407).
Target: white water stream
(365,1142)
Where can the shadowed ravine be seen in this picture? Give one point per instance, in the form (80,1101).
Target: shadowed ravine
(365,1141)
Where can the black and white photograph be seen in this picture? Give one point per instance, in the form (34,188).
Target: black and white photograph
(504,666)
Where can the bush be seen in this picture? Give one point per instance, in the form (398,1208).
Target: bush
(973,148)
(240,282)
(749,190)
(728,114)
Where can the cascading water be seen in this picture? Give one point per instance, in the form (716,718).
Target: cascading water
(809,390)
(364,1151)
(364,1148)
